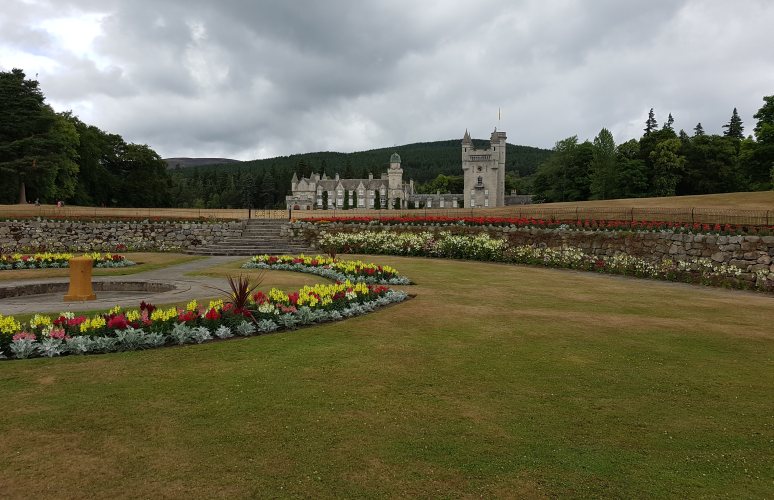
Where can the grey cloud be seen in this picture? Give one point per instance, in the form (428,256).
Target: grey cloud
(242,78)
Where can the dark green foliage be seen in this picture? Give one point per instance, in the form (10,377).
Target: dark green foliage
(565,175)
(760,154)
(604,172)
(734,128)
(37,146)
(58,157)
(698,130)
(422,162)
(346,199)
(651,124)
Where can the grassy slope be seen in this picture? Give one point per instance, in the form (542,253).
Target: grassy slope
(759,200)
(494,381)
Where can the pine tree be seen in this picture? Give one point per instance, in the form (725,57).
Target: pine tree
(698,130)
(354,198)
(603,167)
(734,127)
(651,124)
(346,199)
(669,123)
(267,190)
(325,200)
(377,200)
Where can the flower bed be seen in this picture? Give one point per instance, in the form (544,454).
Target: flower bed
(327,267)
(58,260)
(148,326)
(486,248)
(529,222)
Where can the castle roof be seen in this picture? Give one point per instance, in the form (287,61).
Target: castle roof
(466,138)
(395,158)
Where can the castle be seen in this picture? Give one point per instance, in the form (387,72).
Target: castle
(484,181)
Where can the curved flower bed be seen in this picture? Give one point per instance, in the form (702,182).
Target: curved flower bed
(327,267)
(58,260)
(484,247)
(531,222)
(148,326)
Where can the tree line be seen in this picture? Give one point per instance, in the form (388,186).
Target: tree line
(662,162)
(47,156)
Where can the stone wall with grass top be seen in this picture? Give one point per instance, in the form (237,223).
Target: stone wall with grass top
(751,253)
(125,236)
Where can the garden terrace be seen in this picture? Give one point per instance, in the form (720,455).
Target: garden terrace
(496,380)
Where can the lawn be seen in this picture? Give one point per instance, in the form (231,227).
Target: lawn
(146,261)
(495,381)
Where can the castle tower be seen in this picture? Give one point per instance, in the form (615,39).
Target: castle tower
(395,182)
(484,172)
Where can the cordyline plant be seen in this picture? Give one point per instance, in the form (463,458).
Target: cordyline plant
(240,291)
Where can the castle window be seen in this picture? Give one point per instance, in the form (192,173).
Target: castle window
(486,202)
(429,203)
(480,181)
(360,202)
(486,192)
(440,203)
(472,203)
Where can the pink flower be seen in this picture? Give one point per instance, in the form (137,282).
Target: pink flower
(58,333)
(24,336)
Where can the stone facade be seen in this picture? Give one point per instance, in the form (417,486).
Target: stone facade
(57,236)
(484,172)
(307,193)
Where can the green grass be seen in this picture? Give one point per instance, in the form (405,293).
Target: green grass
(146,261)
(495,381)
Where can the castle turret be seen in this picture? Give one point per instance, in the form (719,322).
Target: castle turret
(395,182)
(484,172)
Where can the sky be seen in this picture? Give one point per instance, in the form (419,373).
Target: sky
(248,79)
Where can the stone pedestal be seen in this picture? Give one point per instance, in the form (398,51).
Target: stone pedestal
(80,280)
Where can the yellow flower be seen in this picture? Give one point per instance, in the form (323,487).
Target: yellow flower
(9,325)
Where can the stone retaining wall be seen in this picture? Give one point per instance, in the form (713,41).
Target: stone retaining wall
(749,253)
(58,236)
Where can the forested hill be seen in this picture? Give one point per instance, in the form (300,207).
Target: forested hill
(421,162)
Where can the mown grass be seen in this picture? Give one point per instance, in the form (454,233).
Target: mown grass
(495,381)
(146,261)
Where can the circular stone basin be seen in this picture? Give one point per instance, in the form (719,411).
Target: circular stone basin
(98,286)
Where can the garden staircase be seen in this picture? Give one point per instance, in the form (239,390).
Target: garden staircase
(259,236)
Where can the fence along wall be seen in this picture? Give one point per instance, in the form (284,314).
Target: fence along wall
(701,215)
(749,253)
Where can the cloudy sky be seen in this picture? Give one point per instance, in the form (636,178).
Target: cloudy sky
(253,79)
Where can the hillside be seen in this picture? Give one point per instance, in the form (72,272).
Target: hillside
(420,161)
(197,162)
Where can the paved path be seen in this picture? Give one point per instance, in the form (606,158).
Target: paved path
(186,288)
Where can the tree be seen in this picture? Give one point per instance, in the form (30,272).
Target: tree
(346,199)
(354,198)
(325,200)
(668,167)
(734,127)
(651,124)
(34,141)
(698,130)
(759,157)
(632,172)
(248,191)
(603,167)
(267,190)
(565,175)
(669,124)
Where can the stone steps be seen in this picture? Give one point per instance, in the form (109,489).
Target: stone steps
(259,236)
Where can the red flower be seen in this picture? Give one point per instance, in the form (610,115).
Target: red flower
(117,322)
(212,314)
